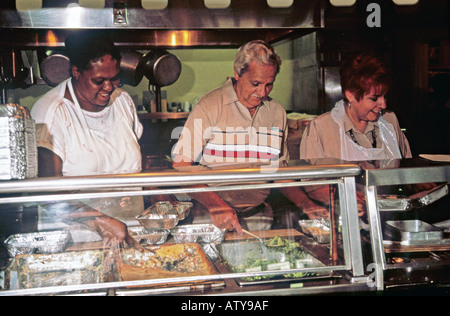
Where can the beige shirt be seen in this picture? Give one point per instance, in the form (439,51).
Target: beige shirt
(321,139)
(221,133)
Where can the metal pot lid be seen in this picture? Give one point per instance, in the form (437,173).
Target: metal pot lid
(55,69)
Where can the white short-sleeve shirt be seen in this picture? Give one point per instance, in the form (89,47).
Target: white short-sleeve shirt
(89,143)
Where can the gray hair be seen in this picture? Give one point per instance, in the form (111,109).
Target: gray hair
(256,50)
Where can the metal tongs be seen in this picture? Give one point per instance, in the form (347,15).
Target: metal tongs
(263,245)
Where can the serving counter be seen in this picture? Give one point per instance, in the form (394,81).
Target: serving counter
(315,267)
(408,214)
(332,255)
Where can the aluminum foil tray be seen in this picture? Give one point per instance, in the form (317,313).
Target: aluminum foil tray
(412,230)
(207,233)
(181,209)
(44,242)
(156,221)
(46,270)
(149,237)
(392,202)
(18,151)
(318,229)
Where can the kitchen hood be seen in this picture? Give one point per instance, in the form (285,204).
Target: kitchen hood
(175,23)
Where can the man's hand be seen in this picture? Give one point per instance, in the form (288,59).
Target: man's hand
(313,210)
(226,218)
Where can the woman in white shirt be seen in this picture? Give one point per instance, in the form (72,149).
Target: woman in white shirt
(88,126)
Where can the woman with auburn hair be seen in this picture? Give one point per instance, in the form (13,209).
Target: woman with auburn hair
(358,127)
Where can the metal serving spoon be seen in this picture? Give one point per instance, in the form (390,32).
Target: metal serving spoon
(263,245)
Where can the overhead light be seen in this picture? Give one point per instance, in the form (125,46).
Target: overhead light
(278,4)
(406,2)
(74,13)
(94,4)
(217,4)
(349,3)
(342,3)
(154,4)
(25,5)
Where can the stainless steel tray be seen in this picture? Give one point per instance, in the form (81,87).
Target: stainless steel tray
(412,230)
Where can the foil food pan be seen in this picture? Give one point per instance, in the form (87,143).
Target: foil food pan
(149,237)
(180,209)
(392,202)
(44,242)
(46,270)
(318,229)
(156,221)
(18,152)
(207,233)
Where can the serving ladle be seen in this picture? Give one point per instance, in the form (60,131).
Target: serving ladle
(263,245)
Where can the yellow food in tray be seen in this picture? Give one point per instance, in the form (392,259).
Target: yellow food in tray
(169,260)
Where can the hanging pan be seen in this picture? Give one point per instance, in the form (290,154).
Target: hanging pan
(131,68)
(161,68)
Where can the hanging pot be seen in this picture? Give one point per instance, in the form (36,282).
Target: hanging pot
(55,69)
(131,68)
(161,68)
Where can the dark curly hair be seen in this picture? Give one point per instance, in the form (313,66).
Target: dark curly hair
(84,47)
(363,72)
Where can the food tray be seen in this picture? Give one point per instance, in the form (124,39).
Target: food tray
(247,256)
(392,202)
(200,232)
(149,237)
(318,229)
(44,242)
(156,221)
(164,215)
(180,209)
(165,261)
(46,270)
(412,230)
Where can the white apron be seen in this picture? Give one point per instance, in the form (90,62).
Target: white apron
(113,155)
(351,151)
(100,152)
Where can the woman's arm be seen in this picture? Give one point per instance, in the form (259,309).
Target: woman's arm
(113,231)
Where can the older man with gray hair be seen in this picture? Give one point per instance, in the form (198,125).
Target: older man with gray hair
(238,125)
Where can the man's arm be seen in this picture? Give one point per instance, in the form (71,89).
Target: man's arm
(298,196)
(222,215)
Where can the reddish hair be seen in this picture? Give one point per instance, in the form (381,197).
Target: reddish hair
(362,73)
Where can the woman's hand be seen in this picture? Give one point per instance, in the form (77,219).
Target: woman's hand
(115,233)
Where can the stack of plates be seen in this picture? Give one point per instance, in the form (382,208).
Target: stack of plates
(18,151)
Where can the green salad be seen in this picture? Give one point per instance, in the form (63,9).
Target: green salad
(290,251)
